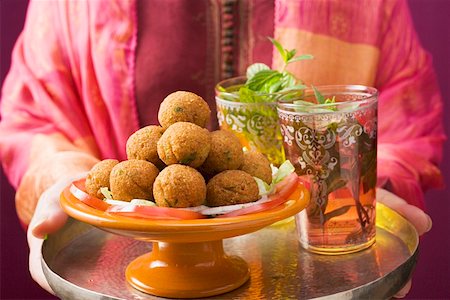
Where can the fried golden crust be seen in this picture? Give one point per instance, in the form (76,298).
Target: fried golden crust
(179,186)
(184,143)
(257,164)
(225,154)
(183,106)
(133,179)
(142,145)
(231,187)
(98,177)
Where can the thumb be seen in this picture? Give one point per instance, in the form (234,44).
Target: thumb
(55,220)
(49,216)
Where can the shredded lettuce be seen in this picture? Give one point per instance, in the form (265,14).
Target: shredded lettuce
(284,170)
(278,174)
(263,187)
(274,170)
(106,193)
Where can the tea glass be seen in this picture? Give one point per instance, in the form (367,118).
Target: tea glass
(255,124)
(333,147)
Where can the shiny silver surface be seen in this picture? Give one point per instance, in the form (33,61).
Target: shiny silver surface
(83,262)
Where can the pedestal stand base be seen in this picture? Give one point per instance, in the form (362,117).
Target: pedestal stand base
(187,270)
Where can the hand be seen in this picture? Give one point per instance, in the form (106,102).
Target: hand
(48,217)
(413,214)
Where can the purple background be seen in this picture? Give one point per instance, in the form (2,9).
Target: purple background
(432,275)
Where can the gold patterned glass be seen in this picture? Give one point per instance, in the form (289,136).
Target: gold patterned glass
(333,147)
(255,124)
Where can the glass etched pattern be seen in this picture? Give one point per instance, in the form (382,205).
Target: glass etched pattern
(256,125)
(336,152)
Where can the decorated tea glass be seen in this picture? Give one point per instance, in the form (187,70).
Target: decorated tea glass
(334,147)
(255,123)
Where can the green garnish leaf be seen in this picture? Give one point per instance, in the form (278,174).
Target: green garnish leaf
(290,54)
(296,87)
(332,100)
(320,99)
(262,79)
(280,49)
(301,57)
(255,68)
(106,193)
(304,106)
(288,80)
(275,87)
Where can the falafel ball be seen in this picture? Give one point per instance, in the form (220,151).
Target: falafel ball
(142,145)
(256,164)
(183,106)
(231,187)
(184,143)
(179,186)
(98,177)
(225,154)
(133,179)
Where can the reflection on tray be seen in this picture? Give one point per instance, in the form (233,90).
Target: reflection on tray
(280,268)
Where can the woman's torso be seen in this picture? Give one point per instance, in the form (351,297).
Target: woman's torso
(192,45)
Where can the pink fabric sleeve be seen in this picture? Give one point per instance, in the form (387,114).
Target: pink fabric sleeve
(43,132)
(410,112)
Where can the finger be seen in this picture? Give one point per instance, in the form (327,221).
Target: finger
(49,216)
(421,221)
(404,291)
(49,225)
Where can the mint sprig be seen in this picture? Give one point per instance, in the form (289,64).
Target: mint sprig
(321,99)
(262,81)
(288,56)
(256,68)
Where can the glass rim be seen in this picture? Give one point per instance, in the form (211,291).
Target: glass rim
(236,78)
(340,89)
(242,104)
(329,89)
(241,80)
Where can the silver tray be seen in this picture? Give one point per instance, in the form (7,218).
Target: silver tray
(83,262)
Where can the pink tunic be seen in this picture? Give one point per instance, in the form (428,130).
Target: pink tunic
(87,74)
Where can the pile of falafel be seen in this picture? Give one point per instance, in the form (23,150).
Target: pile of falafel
(180,163)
